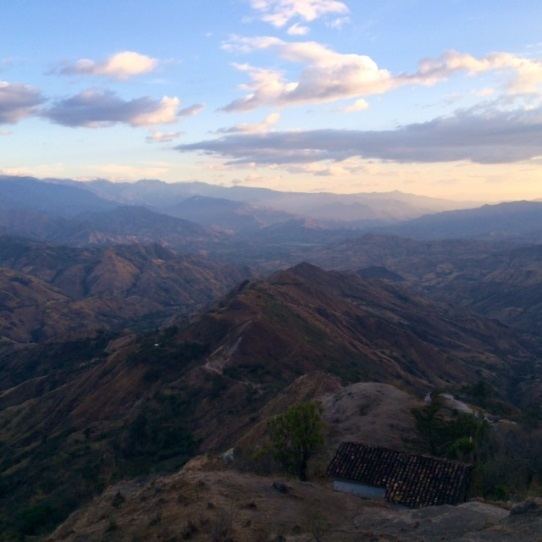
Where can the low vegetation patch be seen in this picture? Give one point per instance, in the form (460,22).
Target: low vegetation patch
(507,457)
(296,436)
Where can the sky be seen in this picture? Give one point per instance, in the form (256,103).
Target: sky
(436,98)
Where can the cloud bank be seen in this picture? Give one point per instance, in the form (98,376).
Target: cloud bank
(327,75)
(490,137)
(96,108)
(18,101)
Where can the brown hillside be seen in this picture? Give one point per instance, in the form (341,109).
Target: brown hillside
(104,288)
(207,502)
(77,416)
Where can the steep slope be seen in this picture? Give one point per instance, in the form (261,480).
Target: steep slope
(506,285)
(75,417)
(74,292)
(354,328)
(30,309)
(496,280)
(32,224)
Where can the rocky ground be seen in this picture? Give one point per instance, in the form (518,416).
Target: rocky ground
(207,501)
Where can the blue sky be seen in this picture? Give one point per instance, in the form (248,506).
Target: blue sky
(337,96)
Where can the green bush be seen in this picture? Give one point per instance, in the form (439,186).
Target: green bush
(507,460)
(458,437)
(296,436)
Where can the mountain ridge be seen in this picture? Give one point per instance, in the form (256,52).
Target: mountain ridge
(80,415)
(103,287)
(517,220)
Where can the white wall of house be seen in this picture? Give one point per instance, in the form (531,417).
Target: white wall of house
(361,490)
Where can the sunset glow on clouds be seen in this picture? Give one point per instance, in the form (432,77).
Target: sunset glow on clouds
(121,65)
(298,94)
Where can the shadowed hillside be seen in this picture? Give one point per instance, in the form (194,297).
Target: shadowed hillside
(496,280)
(518,220)
(77,416)
(54,293)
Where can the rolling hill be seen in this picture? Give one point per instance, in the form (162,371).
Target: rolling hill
(54,292)
(495,279)
(78,415)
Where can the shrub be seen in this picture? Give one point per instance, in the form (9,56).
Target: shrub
(458,437)
(296,436)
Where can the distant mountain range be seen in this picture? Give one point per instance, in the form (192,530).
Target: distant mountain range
(518,220)
(386,206)
(55,199)
(224,214)
(69,214)
(194,216)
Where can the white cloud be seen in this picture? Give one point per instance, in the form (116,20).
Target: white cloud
(17,101)
(327,75)
(95,108)
(163,112)
(525,73)
(122,65)
(162,137)
(280,12)
(256,128)
(298,30)
(330,168)
(191,110)
(359,105)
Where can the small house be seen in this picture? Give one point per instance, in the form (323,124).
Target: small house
(400,478)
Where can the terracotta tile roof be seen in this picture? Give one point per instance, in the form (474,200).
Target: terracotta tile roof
(410,480)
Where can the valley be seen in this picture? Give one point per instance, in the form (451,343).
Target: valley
(139,344)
